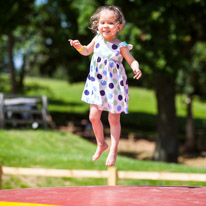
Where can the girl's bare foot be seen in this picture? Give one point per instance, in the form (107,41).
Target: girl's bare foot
(100,148)
(111,159)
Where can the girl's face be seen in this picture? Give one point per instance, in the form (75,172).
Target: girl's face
(108,26)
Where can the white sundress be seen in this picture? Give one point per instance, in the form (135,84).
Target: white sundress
(106,85)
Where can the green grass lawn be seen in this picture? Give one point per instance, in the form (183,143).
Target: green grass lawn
(60,150)
(141,100)
(54,149)
(65,104)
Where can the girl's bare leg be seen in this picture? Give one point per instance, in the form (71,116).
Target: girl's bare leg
(95,118)
(115,129)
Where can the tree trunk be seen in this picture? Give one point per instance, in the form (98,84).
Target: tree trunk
(22,74)
(11,63)
(166,144)
(190,145)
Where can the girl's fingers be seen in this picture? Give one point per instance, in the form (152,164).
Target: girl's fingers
(74,42)
(137,75)
(70,41)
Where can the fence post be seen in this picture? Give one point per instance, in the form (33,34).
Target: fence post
(1,110)
(112,176)
(1,177)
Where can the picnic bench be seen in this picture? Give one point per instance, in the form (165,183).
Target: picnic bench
(18,110)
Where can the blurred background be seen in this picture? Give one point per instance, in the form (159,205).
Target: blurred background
(165,129)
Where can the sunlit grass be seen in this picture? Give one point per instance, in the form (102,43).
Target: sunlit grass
(61,150)
(54,149)
(141,100)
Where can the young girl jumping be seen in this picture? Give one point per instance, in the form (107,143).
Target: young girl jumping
(106,87)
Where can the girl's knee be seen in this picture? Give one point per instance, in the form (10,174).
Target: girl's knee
(94,114)
(114,119)
(94,118)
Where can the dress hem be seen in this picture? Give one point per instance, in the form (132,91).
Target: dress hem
(107,110)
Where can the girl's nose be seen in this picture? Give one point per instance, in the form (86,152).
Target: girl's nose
(106,25)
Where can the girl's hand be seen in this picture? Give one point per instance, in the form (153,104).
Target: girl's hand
(137,73)
(75,43)
(83,50)
(136,70)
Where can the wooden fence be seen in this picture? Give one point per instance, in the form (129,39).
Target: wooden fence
(112,174)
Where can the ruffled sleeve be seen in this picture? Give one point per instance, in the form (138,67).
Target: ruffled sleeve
(124,44)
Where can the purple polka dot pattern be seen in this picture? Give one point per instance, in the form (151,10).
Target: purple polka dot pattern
(106,84)
(97,45)
(114,46)
(103,82)
(99,76)
(99,59)
(111,64)
(92,79)
(86,92)
(111,85)
(120,97)
(119,108)
(102,92)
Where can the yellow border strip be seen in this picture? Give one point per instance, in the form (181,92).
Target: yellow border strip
(21,204)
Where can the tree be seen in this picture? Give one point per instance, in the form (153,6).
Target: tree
(13,14)
(57,21)
(157,24)
(160,32)
(163,31)
(193,83)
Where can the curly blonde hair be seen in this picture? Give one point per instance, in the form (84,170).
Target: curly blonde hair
(94,20)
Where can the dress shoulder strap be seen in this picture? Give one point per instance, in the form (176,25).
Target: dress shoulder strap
(124,44)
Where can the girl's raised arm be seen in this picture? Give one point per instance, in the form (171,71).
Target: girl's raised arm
(132,62)
(84,50)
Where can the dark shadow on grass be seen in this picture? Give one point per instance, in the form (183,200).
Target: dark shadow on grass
(64,103)
(130,122)
(134,122)
(139,120)
(62,118)
(133,155)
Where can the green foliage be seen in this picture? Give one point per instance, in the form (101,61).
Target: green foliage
(14,13)
(3,53)
(161,32)
(85,13)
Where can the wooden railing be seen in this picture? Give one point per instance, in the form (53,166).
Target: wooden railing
(112,174)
